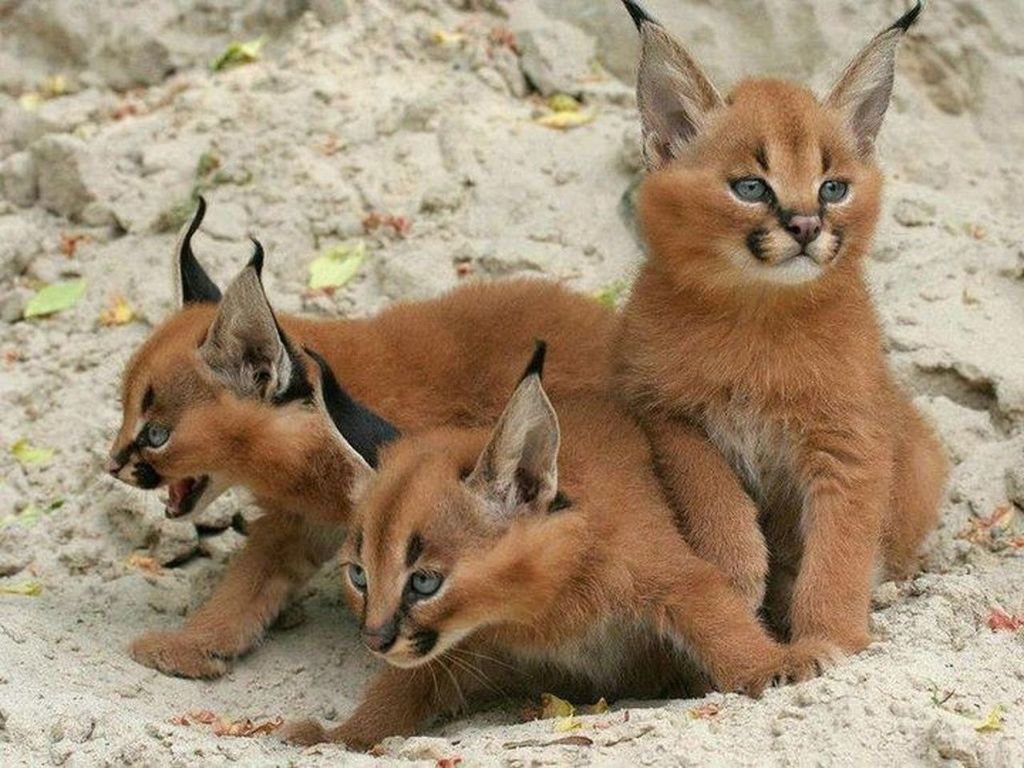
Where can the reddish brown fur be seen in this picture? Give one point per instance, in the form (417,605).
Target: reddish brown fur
(537,602)
(789,380)
(418,364)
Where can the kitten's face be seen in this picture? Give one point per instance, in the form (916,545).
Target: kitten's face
(424,565)
(773,192)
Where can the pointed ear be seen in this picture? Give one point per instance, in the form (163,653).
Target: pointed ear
(361,430)
(195,285)
(518,470)
(862,94)
(673,94)
(245,348)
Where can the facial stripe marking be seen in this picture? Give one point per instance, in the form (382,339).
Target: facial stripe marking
(147,399)
(761,155)
(754,243)
(826,160)
(414,550)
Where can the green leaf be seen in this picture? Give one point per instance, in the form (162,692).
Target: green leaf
(25,588)
(611,294)
(239,53)
(27,454)
(336,266)
(55,298)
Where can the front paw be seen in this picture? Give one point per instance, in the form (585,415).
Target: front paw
(808,658)
(178,653)
(306,733)
(303,733)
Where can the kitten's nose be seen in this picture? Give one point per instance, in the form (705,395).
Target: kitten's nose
(380,639)
(804,228)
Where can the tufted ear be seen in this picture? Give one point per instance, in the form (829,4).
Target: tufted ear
(246,349)
(195,285)
(673,94)
(518,470)
(862,94)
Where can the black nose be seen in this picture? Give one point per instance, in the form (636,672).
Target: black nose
(380,639)
(804,229)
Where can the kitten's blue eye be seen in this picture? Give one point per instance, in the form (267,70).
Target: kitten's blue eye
(751,190)
(425,584)
(833,191)
(156,435)
(357,576)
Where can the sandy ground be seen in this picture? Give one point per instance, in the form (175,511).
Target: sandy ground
(422,109)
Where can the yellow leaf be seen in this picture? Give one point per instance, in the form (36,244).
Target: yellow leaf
(27,454)
(118,312)
(55,298)
(239,53)
(30,101)
(25,588)
(597,708)
(993,722)
(552,706)
(442,37)
(564,121)
(336,266)
(565,724)
(563,102)
(54,86)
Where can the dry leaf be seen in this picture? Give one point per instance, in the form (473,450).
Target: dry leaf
(992,722)
(564,121)
(1001,621)
(703,712)
(118,312)
(449,762)
(247,727)
(144,563)
(69,243)
(597,708)
(445,38)
(399,224)
(565,724)
(25,589)
(27,454)
(612,293)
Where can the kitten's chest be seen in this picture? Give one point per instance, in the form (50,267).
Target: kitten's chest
(600,657)
(760,448)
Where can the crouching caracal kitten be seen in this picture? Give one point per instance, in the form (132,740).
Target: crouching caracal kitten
(751,324)
(221,394)
(534,557)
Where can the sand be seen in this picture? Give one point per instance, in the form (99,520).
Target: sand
(420,109)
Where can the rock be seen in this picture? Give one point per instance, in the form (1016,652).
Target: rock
(19,243)
(961,429)
(555,56)
(329,11)
(61,165)
(82,556)
(13,303)
(136,522)
(14,551)
(175,541)
(953,741)
(18,181)
(913,213)
(78,728)
(19,127)
(222,546)
(1015,483)
(132,58)
(631,156)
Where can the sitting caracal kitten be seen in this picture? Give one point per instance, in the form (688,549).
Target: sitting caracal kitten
(489,564)
(751,323)
(221,394)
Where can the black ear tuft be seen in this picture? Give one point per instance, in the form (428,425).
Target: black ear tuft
(639,14)
(904,22)
(536,364)
(256,261)
(364,430)
(196,285)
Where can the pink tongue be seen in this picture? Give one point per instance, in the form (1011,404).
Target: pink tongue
(178,490)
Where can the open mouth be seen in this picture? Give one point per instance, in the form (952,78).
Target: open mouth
(183,494)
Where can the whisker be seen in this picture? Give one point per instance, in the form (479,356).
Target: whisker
(480,676)
(455,682)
